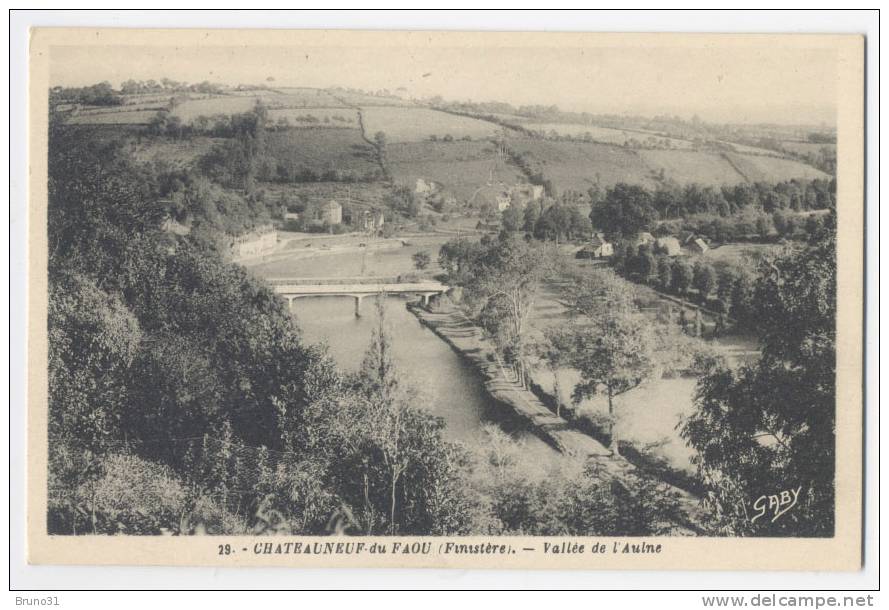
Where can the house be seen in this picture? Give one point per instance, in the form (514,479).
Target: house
(526,192)
(698,246)
(503,201)
(668,245)
(330,213)
(598,247)
(644,238)
(291,216)
(372,220)
(425,188)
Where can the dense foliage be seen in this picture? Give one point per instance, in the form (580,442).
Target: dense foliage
(770,426)
(174,369)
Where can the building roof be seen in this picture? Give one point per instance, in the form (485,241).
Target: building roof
(598,240)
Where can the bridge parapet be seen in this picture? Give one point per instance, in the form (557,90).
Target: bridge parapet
(358,291)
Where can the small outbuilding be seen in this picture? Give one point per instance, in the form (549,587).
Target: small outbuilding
(698,246)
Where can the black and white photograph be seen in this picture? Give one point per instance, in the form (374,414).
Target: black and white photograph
(448,296)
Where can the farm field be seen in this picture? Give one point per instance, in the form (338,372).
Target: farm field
(413,124)
(751,150)
(321,149)
(805,148)
(739,253)
(228,105)
(311,193)
(303,97)
(771,169)
(607,135)
(351,98)
(693,166)
(178,153)
(121,117)
(579,165)
(313,117)
(462,167)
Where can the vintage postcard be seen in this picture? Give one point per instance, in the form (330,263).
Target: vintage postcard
(445,299)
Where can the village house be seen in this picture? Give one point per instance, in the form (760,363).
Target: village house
(503,201)
(598,247)
(644,238)
(372,220)
(698,246)
(425,188)
(668,245)
(330,213)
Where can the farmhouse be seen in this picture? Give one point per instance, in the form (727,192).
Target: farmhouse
(372,220)
(503,201)
(644,238)
(425,188)
(698,246)
(330,213)
(291,216)
(526,192)
(597,248)
(668,246)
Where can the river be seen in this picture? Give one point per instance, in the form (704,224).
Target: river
(448,386)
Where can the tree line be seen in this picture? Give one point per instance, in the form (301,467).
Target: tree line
(768,421)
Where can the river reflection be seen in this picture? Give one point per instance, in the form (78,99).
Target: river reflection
(449,387)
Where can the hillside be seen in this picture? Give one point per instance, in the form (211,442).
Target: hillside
(415,124)
(317,135)
(462,167)
(579,165)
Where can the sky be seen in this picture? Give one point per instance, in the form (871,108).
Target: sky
(762,84)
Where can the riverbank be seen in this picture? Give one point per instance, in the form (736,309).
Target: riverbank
(467,340)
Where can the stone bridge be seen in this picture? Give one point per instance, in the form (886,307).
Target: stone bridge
(357,288)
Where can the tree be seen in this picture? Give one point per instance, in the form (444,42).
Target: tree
(771,424)
(742,298)
(531,216)
(392,454)
(93,339)
(763,226)
(553,351)
(681,277)
(626,211)
(501,282)
(404,201)
(614,350)
(664,273)
(511,219)
(388,403)
(704,279)
(421,260)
